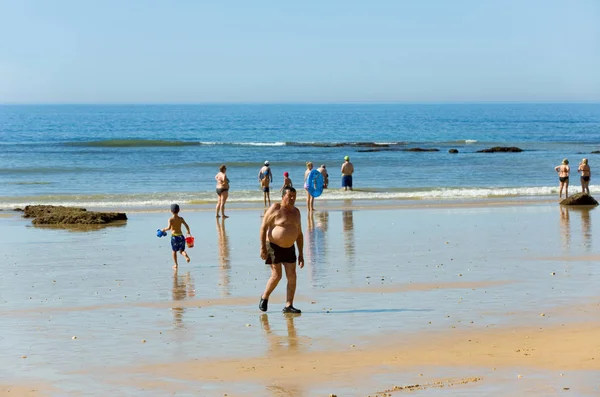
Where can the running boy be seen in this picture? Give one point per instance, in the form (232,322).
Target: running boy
(177,238)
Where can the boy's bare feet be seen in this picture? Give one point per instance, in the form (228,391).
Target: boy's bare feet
(175,266)
(186,256)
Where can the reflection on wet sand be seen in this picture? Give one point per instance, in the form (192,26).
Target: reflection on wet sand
(348,228)
(282,346)
(311,245)
(224,260)
(565,227)
(317,243)
(183,288)
(586,227)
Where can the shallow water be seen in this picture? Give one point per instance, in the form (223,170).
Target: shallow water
(369,273)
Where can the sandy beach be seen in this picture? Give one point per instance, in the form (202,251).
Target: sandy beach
(438,299)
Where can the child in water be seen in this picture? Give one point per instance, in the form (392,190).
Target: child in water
(177,238)
(286,181)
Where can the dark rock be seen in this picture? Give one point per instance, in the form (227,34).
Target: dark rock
(579,199)
(383,149)
(59,215)
(596,152)
(418,149)
(18,209)
(512,149)
(453,151)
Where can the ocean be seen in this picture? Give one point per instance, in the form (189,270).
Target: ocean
(147,156)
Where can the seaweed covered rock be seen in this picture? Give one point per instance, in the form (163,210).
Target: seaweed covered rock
(579,199)
(59,215)
(453,151)
(495,149)
(418,149)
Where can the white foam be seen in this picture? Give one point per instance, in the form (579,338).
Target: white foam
(165,199)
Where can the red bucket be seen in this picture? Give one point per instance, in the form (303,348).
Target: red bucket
(189,241)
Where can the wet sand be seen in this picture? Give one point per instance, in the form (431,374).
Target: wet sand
(457,299)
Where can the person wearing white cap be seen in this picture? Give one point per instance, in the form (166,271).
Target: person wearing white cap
(265,177)
(347,171)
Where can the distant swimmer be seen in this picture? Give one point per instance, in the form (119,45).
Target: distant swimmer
(286,181)
(323,172)
(563,177)
(310,200)
(347,171)
(177,238)
(265,177)
(282,227)
(586,173)
(222,190)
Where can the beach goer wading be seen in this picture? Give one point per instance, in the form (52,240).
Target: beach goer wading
(586,173)
(347,171)
(222,190)
(265,177)
(310,200)
(563,177)
(323,172)
(283,228)
(286,181)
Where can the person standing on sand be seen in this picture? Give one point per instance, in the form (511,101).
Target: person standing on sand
(310,200)
(177,239)
(586,173)
(265,177)
(323,172)
(222,190)
(563,177)
(283,228)
(347,171)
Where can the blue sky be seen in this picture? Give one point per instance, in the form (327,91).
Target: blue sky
(321,51)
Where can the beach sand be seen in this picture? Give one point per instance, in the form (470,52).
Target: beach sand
(436,300)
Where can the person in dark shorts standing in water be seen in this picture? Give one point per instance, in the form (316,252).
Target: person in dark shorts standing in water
(347,171)
(283,228)
(563,177)
(222,190)
(265,177)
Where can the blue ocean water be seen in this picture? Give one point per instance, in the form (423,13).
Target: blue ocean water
(151,155)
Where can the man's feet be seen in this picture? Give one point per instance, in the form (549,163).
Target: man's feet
(291,309)
(225,216)
(263,305)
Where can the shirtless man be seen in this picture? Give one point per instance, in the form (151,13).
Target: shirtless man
(586,173)
(282,226)
(347,171)
(563,177)
(265,177)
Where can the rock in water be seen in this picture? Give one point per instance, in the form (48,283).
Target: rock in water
(453,151)
(59,215)
(501,149)
(579,199)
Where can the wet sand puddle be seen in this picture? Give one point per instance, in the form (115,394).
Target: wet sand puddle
(370,276)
